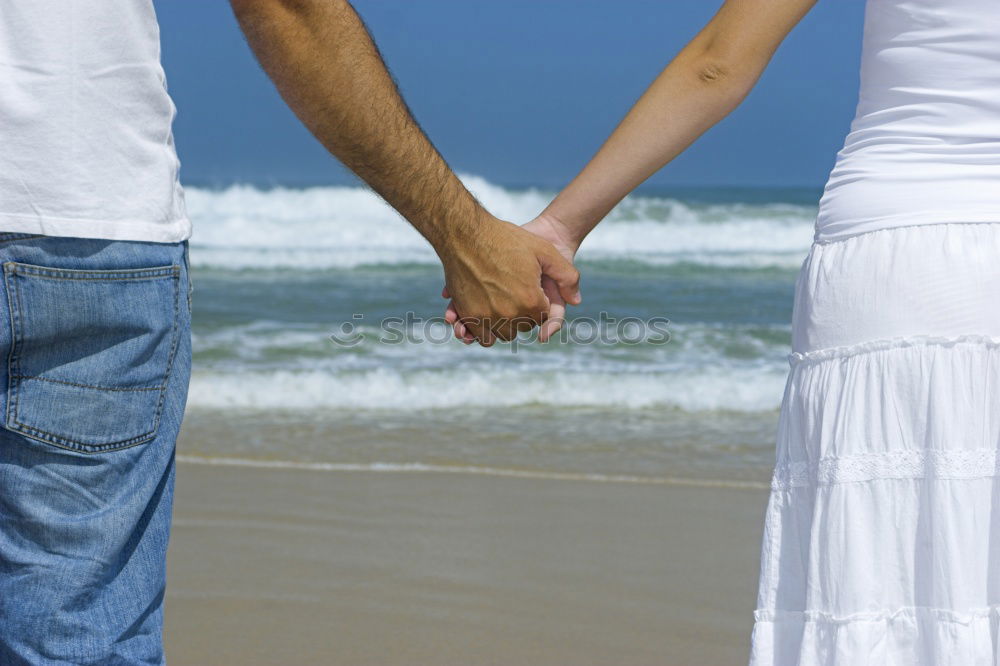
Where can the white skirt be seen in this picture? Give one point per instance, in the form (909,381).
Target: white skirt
(882,534)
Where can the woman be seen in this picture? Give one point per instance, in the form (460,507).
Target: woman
(882,534)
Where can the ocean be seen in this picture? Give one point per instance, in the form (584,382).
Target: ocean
(318,340)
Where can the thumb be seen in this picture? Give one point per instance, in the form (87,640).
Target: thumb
(562,272)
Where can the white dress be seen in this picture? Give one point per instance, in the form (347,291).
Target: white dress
(882,533)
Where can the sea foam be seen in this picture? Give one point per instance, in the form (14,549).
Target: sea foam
(338,227)
(390,388)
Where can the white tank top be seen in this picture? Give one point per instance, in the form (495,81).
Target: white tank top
(86,147)
(924,146)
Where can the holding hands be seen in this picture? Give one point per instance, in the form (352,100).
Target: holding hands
(515,294)
(500,278)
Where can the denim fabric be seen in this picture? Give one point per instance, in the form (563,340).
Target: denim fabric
(97,340)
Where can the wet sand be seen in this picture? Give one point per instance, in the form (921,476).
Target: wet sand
(275,566)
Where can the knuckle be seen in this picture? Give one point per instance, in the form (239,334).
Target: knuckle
(509,311)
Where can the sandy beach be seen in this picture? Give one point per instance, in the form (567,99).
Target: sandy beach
(362,548)
(279,566)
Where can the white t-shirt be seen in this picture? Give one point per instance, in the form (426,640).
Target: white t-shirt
(86,147)
(924,145)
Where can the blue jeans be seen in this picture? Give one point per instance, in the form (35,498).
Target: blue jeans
(96,336)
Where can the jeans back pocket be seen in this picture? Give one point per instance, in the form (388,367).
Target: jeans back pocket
(91,353)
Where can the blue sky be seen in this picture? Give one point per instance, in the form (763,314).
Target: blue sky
(521,92)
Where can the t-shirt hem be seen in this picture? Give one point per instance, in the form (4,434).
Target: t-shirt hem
(173,231)
(826,232)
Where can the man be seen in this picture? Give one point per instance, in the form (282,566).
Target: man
(94,309)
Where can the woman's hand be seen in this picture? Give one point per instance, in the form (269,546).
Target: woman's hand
(556,233)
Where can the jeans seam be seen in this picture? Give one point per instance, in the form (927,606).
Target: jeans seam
(10,413)
(13,369)
(118,275)
(89,386)
(175,339)
(72,444)
(187,272)
(9,237)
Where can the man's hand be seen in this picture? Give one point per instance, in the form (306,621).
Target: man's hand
(503,279)
(557,288)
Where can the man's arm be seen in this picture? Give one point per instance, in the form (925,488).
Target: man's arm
(329,71)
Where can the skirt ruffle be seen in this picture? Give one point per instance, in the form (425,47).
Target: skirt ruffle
(882,532)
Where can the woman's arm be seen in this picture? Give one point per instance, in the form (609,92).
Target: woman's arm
(709,78)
